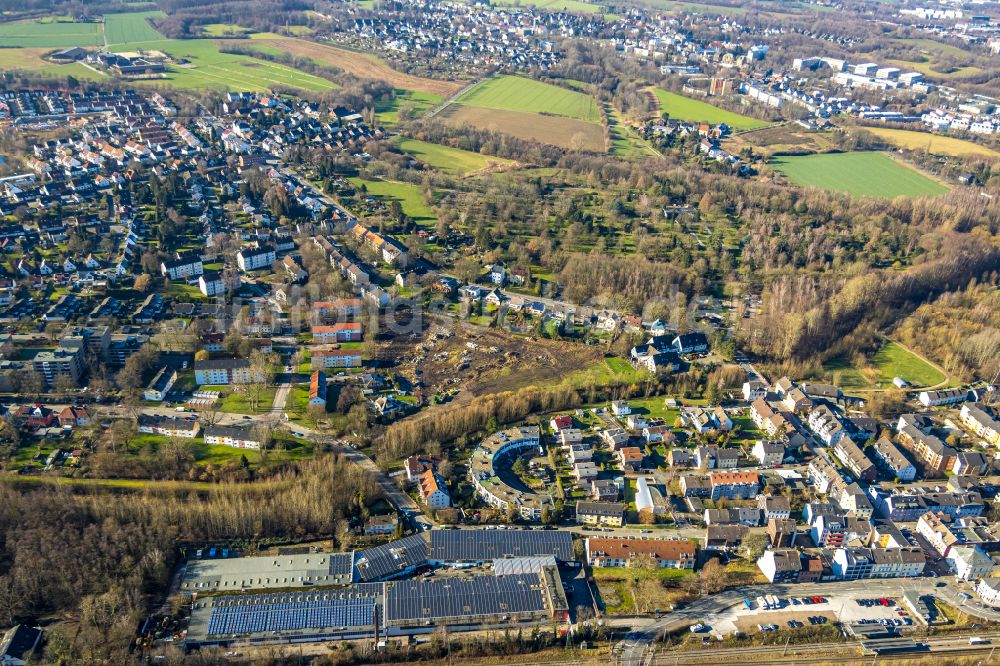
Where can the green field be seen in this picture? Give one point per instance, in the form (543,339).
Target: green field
(891,361)
(51,35)
(409,197)
(450,160)
(680,107)
(515,93)
(131,28)
(861,174)
(209,68)
(418,101)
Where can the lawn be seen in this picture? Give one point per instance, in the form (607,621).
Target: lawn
(861,174)
(233,402)
(131,28)
(625,143)
(210,68)
(890,361)
(932,143)
(50,34)
(680,107)
(516,93)
(449,160)
(409,196)
(928,70)
(414,100)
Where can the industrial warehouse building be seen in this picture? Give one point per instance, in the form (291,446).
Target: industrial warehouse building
(391,608)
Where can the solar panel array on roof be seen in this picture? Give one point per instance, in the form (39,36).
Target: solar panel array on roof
(341,563)
(349,607)
(442,598)
(483,545)
(522,565)
(391,558)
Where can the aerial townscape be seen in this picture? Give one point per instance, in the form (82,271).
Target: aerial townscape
(629,332)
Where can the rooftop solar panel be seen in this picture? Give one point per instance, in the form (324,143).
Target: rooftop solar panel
(391,558)
(261,613)
(442,598)
(482,545)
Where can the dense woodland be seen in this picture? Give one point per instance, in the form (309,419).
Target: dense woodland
(102,552)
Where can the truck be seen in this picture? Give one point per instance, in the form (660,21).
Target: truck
(748,604)
(762,603)
(976,640)
(773,600)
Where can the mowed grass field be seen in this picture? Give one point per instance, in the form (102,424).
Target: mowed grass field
(50,34)
(932,143)
(211,69)
(515,93)
(890,361)
(556,131)
(692,110)
(409,197)
(418,102)
(130,28)
(860,174)
(448,159)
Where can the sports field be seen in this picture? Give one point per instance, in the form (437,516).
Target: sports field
(515,93)
(691,110)
(447,159)
(932,143)
(52,34)
(131,28)
(211,69)
(861,174)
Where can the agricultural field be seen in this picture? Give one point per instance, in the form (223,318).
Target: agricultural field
(515,93)
(52,34)
(932,143)
(131,28)
(409,196)
(685,108)
(209,68)
(450,160)
(30,59)
(359,64)
(563,132)
(861,174)
(892,360)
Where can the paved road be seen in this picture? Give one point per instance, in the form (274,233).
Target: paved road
(281,397)
(635,649)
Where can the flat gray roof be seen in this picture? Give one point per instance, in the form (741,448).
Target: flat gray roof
(272,571)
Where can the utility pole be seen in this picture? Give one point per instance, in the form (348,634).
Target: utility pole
(785,651)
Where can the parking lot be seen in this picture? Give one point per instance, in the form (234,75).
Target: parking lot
(848,609)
